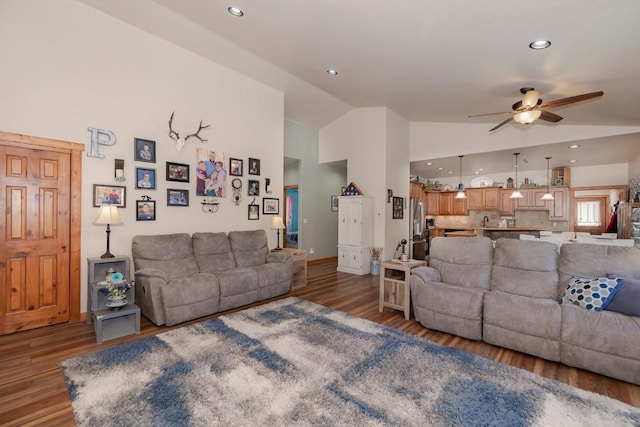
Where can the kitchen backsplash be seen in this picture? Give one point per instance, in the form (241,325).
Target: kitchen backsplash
(535,219)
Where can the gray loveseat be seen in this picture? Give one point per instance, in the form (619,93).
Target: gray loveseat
(509,296)
(180,277)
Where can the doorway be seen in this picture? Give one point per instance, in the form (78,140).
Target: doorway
(290,212)
(591,214)
(40,251)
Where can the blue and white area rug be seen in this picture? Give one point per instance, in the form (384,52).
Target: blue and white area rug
(292,363)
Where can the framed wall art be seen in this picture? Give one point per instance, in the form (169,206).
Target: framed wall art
(109,195)
(145,150)
(235,167)
(254,166)
(334,203)
(270,206)
(177,172)
(253,189)
(398,207)
(145,210)
(177,197)
(146,178)
(254,212)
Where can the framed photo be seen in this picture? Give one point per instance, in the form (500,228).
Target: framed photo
(109,195)
(177,172)
(334,203)
(145,150)
(270,206)
(398,207)
(145,210)
(235,167)
(254,166)
(254,212)
(253,189)
(177,197)
(146,178)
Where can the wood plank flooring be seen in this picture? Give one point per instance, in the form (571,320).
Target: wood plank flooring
(33,392)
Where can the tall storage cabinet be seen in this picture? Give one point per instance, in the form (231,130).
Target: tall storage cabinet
(355,234)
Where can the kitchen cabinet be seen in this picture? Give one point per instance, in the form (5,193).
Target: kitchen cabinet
(433,205)
(506,203)
(560,177)
(449,205)
(355,233)
(532,200)
(483,199)
(559,206)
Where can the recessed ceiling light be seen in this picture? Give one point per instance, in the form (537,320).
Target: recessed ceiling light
(440,169)
(235,11)
(332,72)
(572,161)
(540,44)
(429,163)
(574,146)
(450,172)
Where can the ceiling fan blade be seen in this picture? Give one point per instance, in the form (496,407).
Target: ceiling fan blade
(571,99)
(501,124)
(550,117)
(490,114)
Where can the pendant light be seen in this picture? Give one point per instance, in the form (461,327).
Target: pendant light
(516,193)
(548,195)
(461,194)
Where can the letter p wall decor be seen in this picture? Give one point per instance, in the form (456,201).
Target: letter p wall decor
(108,138)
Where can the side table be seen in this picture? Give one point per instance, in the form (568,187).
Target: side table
(112,323)
(299,279)
(395,289)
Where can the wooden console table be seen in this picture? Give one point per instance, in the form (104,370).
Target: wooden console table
(299,279)
(395,289)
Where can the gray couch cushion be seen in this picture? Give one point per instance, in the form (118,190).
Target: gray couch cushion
(171,253)
(249,247)
(213,252)
(463,261)
(524,267)
(190,297)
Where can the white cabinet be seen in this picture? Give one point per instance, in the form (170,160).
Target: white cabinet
(355,233)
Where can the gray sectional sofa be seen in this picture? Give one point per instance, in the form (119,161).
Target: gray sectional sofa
(511,296)
(181,277)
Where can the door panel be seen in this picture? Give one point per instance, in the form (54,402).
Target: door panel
(34,260)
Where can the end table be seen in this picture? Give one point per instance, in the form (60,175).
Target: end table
(395,288)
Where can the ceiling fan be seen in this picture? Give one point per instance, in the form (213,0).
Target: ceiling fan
(531,107)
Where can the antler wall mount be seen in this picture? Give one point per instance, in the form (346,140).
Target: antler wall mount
(175,136)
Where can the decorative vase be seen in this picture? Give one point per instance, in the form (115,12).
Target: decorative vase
(375,266)
(116,301)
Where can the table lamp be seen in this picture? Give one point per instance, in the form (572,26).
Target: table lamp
(277,224)
(108,214)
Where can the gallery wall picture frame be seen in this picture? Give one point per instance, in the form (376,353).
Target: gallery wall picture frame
(334,203)
(254,166)
(235,167)
(145,178)
(145,210)
(270,206)
(253,212)
(253,188)
(144,150)
(109,195)
(177,197)
(177,172)
(398,207)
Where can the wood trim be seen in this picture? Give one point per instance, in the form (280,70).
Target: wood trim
(75,227)
(572,198)
(322,260)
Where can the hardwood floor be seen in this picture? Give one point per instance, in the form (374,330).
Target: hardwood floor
(33,392)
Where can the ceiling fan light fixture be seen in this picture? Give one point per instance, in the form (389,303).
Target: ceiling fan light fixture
(530,98)
(527,117)
(539,44)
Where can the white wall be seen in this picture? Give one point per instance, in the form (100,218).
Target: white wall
(66,67)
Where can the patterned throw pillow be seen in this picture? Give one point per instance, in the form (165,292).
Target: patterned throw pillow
(592,294)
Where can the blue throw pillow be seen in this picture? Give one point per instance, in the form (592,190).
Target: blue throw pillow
(592,294)
(627,297)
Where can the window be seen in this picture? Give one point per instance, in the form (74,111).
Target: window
(588,214)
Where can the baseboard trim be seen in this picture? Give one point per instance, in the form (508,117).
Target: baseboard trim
(322,260)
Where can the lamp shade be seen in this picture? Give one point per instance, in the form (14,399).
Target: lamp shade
(276,223)
(108,214)
(527,117)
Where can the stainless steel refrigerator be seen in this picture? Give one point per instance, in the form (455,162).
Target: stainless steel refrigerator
(417,230)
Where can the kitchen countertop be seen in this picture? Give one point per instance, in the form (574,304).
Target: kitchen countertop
(509,228)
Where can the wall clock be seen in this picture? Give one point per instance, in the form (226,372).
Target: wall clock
(236,183)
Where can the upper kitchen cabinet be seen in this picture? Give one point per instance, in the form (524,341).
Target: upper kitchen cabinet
(433,203)
(506,203)
(483,198)
(449,205)
(531,200)
(559,206)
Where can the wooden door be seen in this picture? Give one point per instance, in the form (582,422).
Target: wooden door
(35,233)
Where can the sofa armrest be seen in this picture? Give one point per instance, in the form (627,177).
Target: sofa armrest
(280,257)
(151,272)
(426,274)
(149,281)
